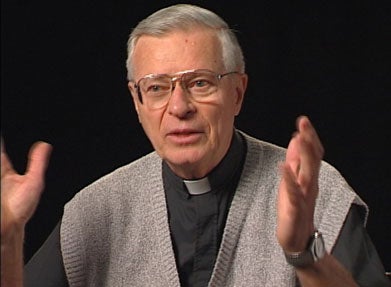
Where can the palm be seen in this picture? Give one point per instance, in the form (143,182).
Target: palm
(20,193)
(299,188)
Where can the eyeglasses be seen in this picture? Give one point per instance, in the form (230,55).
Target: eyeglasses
(201,85)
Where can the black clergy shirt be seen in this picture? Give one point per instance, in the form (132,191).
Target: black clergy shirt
(197,221)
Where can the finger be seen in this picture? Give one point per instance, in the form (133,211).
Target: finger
(38,160)
(293,155)
(311,153)
(307,130)
(289,185)
(6,165)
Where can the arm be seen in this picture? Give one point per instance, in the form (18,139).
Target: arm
(296,204)
(46,268)
(325,272)
(19,198)
(355,250)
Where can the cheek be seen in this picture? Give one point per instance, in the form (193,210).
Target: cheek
(227,110)
(220,123)
(151,124)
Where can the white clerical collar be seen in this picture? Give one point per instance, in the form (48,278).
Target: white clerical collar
(198,186)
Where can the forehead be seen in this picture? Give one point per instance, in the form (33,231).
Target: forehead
(177,51)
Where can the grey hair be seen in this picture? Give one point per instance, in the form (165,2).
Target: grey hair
(183,17)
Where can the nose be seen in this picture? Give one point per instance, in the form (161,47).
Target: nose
(179,104)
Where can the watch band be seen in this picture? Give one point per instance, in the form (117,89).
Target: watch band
(315,250)
(300,259)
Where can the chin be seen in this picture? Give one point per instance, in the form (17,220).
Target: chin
(187,159)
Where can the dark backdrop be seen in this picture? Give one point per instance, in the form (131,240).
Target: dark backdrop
(63,81)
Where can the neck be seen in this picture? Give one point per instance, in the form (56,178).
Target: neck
(190,171)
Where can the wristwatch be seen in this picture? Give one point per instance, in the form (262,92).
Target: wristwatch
(315,250)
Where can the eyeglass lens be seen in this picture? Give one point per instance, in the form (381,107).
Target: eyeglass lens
(156,89)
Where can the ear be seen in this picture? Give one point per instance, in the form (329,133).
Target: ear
(136,100)
(241,87)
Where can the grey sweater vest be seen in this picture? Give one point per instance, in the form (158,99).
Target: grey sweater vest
(115,232)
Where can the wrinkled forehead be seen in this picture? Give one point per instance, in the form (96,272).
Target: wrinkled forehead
(176,51)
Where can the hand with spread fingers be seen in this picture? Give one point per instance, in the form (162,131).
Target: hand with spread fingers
(299,187)
(20,195)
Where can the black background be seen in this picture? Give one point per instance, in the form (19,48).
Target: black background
(64,81)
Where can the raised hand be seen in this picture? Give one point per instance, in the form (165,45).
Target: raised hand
(299,188)
(20,193)
(19,198)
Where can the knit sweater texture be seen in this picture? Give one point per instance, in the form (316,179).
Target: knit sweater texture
(115,232)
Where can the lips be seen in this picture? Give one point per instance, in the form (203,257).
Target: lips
(184,136)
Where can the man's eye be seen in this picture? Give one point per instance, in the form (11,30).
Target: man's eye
(199,83)
(154,88)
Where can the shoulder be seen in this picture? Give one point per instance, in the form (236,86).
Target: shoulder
(121,183)
(130,173)
(331,180)
(265,150)
(333,187)
(335,194)
(335,199)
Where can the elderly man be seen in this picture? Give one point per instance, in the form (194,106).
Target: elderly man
(211,206)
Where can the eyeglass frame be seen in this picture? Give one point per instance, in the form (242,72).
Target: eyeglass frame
(178,76)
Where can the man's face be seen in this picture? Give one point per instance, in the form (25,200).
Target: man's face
(192,137)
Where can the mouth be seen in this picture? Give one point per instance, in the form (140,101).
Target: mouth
(184,136)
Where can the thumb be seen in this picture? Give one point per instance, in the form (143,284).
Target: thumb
(38,160)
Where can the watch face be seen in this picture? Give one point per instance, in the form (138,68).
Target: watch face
(318,246)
